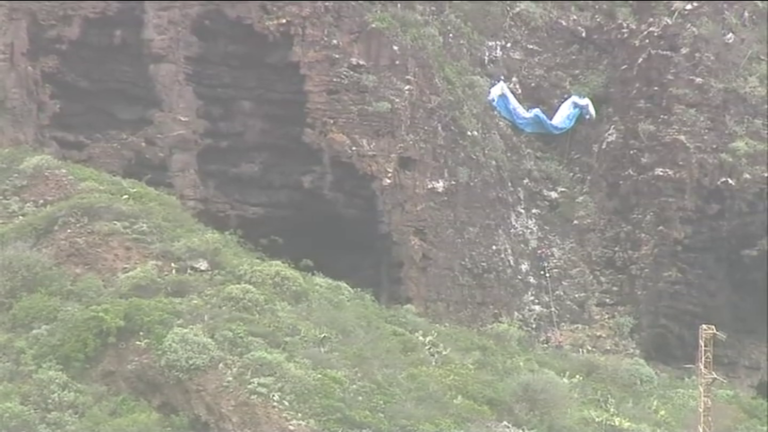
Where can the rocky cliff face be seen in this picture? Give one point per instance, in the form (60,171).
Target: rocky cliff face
(201,102)
(355,135)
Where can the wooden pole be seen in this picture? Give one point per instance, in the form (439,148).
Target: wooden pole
(705,374)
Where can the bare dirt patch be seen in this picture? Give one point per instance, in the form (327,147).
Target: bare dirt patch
(215,406)
(85,250)
(47,187)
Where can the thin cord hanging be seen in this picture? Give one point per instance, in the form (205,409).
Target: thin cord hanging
(544,259)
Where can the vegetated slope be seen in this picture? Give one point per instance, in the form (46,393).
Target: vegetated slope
(121,313)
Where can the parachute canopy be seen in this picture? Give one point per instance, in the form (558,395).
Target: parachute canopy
(534,120)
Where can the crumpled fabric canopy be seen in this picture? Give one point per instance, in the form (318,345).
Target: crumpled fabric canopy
(535,121)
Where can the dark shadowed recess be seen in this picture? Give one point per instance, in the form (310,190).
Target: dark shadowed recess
(102,86)
(728,274)
(287,198)
(103,82)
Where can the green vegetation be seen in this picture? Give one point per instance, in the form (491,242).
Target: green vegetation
(381,107)
(327,354)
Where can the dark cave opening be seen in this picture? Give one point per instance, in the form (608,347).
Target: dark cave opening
(739,253)
(273,184)
(740,256)
(152,172)
(102,83)
(726,284)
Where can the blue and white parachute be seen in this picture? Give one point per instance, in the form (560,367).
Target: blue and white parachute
(534,120)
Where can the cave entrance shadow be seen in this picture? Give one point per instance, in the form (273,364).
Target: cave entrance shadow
(288,199)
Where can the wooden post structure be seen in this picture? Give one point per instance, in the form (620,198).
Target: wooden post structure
(705,374)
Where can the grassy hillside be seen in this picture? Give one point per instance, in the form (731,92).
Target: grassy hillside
(96,268)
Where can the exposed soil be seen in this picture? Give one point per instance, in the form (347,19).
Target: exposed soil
(47,187)
(85,250)
(320,138)
(216,407)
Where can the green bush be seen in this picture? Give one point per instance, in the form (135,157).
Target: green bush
(33,311)
(26,272)
(84,332)
(15,417)
(186,351)
(278,278)
(242,298)
(541,400)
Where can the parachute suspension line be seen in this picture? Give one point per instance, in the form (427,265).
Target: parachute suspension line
(552,309)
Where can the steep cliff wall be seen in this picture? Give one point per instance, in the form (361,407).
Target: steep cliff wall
(355,135)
